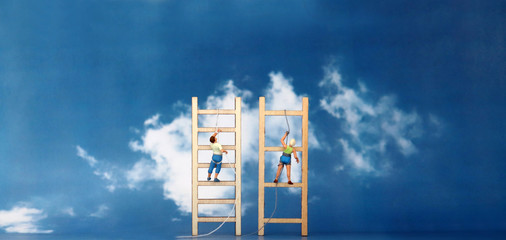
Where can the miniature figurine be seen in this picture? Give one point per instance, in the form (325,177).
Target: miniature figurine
(286,158)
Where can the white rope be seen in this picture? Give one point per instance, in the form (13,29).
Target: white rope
(272,214)
(217,116)
(276,188)
(287,124)
(235,202)
(276,200)
(224,221)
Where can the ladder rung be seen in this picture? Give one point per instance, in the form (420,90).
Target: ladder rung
(280,149)
(212,129)
(282,113)
(216,201)
(223,165)
(283,220)
(215,219)
(208,147)
(271,184)
(213,183)
(216,111)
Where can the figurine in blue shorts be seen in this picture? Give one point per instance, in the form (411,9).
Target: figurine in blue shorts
(217,157)
(286,158)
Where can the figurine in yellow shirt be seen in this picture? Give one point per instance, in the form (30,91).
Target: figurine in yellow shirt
(286,158)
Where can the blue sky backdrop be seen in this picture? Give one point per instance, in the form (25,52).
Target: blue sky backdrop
(407,111)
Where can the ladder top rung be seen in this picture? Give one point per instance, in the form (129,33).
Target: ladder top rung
(271,184)
(280,149)
(223,165)
(217,111)
(283,220)
(213,183)
(215,219)
(212,129)
(216,201)
(282,112)
(208,147)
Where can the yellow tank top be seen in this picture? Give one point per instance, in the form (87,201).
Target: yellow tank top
(288,150)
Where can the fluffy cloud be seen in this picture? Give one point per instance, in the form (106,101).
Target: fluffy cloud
(280,95)
(152,121)
(369,127)
(100,169)
(169,150)
(168,145)
(101,211)
(84,155)
(22,219)
(69,211)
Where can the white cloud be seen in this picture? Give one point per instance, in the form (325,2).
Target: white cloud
(152,121)
(69,211)
(436,125)
(280,95)
(168,145)
(143,170)
(359,160)
(22,219)
(100,169)
(362,87)
(170,160)
(101,211)
(84,155)
(314,199)
(169,148)
(369,127)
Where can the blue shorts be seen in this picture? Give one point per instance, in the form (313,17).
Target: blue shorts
(216,162)
(285,160)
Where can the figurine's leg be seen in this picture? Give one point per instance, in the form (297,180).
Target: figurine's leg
(280,167)
(288,168)
(218,169)
(210,171)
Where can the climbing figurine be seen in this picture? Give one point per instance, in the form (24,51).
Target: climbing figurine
(286,158)
(217,157)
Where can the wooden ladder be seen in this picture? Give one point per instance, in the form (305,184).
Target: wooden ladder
(195,166)
(261,166)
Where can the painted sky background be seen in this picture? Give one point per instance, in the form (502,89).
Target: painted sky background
(407,111)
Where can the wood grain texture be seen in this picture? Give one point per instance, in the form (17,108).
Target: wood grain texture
(216,111)
(195,225)
(237,165)
(217,201)
(283,220)
(261,164)
(213,129)
(238,168)
(283,184)
(215,219)
(223,165)
(208,147)
(305,165)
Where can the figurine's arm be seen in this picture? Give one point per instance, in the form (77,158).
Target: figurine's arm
(295,155)
(283,139)
(216,133)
